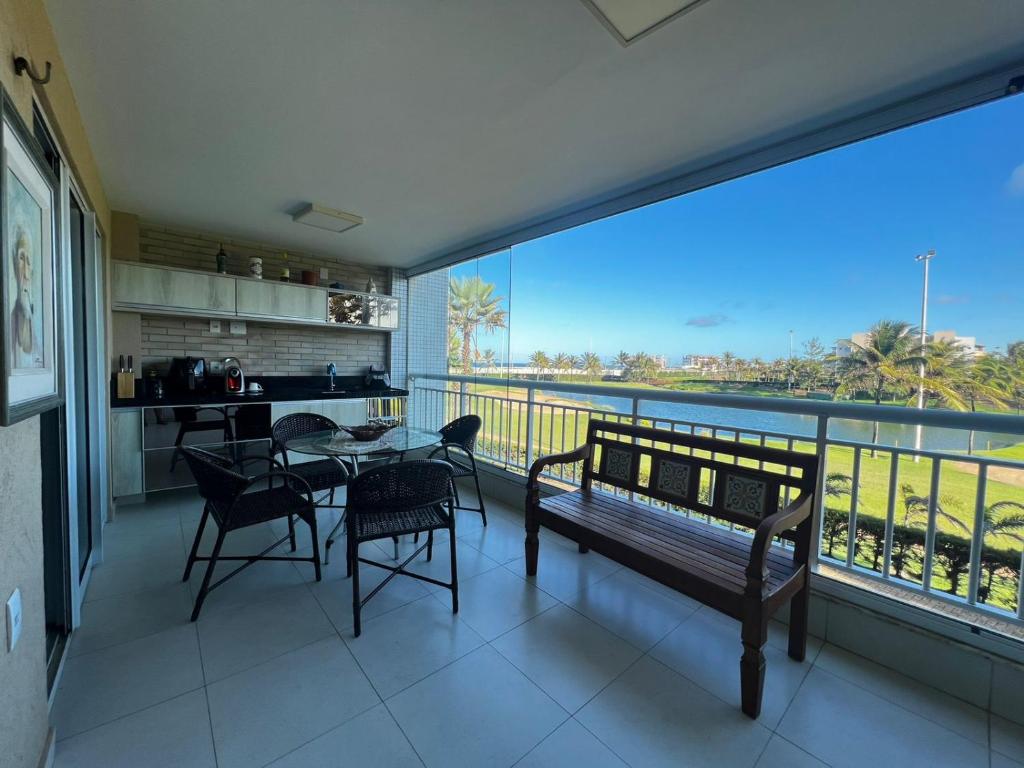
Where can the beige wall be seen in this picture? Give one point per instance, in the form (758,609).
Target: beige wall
(25,31)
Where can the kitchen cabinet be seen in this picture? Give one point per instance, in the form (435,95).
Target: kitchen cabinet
(362,310)
(346,412)
(256,298)
(142,286)
(126,461)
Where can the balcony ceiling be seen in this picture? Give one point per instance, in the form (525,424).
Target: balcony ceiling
(446,123)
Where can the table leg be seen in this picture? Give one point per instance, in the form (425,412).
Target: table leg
(334,531)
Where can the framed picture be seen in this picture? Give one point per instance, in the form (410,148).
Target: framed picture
(31,375)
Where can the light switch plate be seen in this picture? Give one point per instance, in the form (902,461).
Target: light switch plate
(238,327)
(324,275)
(215,326)
(13,619)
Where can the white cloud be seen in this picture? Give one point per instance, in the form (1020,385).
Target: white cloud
(1015,185)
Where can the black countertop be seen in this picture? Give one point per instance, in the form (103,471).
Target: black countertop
(276,389)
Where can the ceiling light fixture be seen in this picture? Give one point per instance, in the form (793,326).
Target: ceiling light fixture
(322,217)
(629,20)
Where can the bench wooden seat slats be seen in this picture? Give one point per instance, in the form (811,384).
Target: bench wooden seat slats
(745,576)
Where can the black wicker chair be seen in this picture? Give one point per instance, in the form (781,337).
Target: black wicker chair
(394,500)
(458,440)
(321,474)
(233,503)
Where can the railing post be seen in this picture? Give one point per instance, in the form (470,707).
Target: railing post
(929,536)
(977,536)
(463,391)
(851,526)
(821,446)
(530,400)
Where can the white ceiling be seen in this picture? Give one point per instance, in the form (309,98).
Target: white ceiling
(448,122)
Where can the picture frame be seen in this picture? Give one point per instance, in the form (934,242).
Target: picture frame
(31,344)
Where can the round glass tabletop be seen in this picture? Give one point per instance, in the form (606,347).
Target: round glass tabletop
(337,442)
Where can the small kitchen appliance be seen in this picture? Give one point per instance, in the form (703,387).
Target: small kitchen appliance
(187,374)
(377,378)
(234,379)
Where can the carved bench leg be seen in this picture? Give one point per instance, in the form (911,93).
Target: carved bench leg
(532,543)
(755,634)
(799,606)
(583,549)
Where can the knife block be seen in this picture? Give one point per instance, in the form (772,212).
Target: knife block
(126,384)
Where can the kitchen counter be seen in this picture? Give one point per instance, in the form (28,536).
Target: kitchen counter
(274,393)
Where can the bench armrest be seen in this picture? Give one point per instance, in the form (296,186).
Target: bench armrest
(797,512)
(580,454)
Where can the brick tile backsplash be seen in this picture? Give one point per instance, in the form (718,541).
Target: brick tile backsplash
(264,350)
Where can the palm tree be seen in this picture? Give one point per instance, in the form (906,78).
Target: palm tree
(644,366)
(563,362)
(488,358)
(729,363)
(540,362)
(967,382)
(472,305)
(889,358)
(591,365)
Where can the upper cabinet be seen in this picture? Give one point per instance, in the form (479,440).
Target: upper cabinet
(141,286)
(280,300)
(155,289)
(371,310)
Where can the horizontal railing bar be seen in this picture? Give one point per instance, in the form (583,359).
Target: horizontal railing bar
(990,461)
(892,414)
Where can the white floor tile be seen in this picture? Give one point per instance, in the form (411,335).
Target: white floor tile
(781,754)
(631,610)
(247,635)
(131,541)
(500,540)
(407,644)
(571,744)
(1008,691)
(568,656)
(260,581)
(126,576)
(113,682)
(1002,761)
(564,572)
(496,601)
(267,711)
(846,726)
(173,734)
(706,649)
(479,711)
(651,716)
(371,740)
(959,716)
(119,619)
(1008,738)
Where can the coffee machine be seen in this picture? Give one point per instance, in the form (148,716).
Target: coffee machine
(187,374)
(234,378)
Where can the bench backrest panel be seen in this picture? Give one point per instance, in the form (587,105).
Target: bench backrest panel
(735,481)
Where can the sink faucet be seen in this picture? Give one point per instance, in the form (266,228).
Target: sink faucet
(332,371)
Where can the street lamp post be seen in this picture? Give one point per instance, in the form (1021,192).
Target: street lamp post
(926,258)
(789,386)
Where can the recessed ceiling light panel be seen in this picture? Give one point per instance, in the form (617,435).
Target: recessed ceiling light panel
(322,217)
(629,20)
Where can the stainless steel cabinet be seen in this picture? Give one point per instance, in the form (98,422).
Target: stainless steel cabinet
(142,286)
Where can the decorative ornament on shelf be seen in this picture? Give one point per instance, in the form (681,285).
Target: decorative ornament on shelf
(222,261)
(256,267)
(286,273)
(371,287)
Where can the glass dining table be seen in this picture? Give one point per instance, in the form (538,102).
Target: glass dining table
(339,445)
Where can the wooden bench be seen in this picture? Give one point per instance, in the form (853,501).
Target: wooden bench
(636,485)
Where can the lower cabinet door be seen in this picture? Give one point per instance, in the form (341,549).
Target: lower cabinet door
(347,412)
(166,468)
(126,447)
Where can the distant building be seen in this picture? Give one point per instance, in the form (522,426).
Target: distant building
(969,344)
(700,362)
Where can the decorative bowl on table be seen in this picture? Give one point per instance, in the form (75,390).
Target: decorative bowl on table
(367,432)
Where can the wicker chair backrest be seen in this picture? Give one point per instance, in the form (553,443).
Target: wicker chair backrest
(462,432)
(297,425)
(216,480)
(407,485)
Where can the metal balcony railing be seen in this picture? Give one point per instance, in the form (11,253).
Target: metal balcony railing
(920,518)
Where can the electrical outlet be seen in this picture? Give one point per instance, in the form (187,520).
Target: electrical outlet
(215,326)
(13,619)
(238,327)
(324,275)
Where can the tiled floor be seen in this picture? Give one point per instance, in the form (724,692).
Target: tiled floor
(591,665)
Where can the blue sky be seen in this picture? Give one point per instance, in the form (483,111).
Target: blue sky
(824,246)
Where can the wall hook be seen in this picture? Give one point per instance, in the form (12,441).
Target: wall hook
(22,65)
